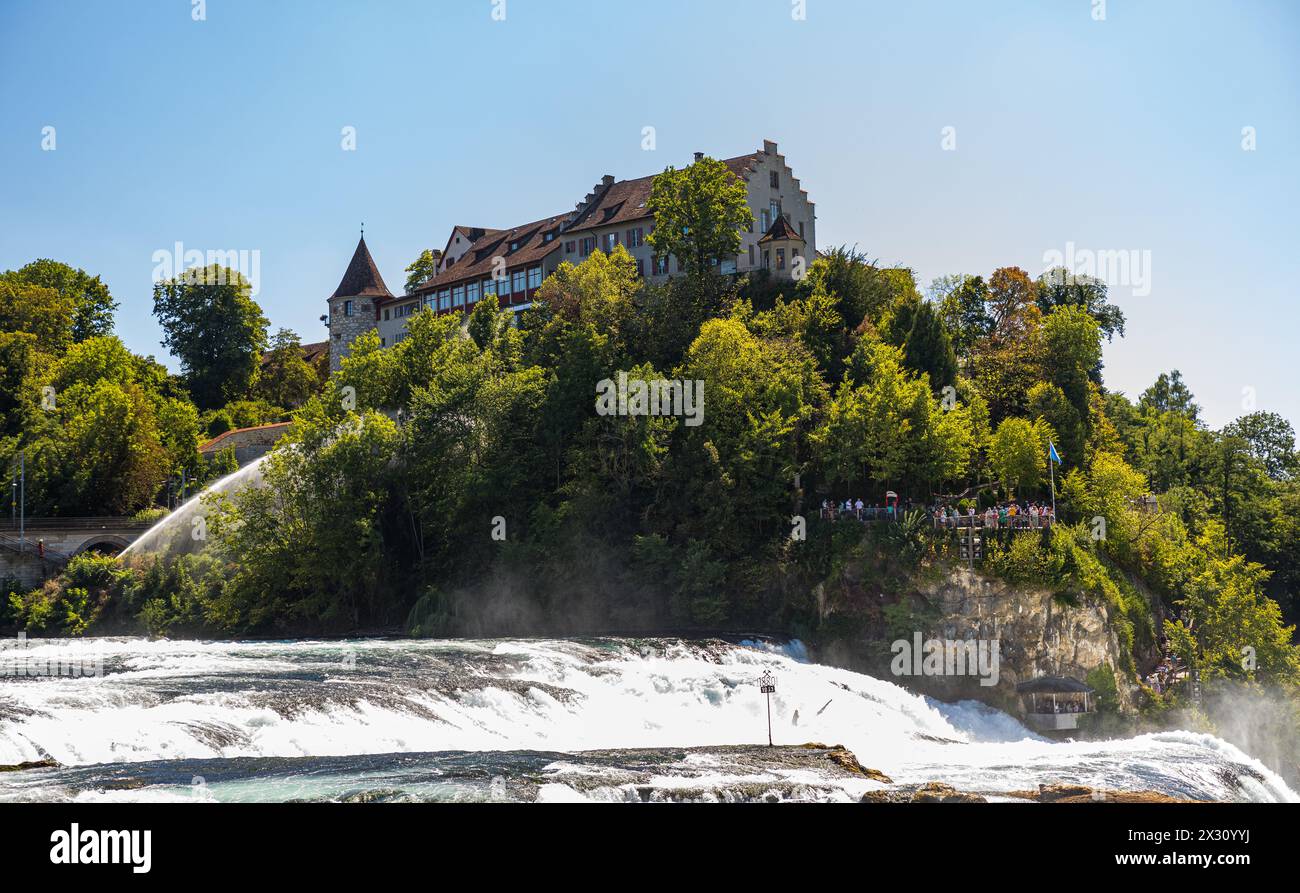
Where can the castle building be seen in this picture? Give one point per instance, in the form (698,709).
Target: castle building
(512,263)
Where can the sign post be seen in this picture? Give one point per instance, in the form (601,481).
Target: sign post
(767,685)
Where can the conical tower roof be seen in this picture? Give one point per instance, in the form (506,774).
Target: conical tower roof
(781,229)
(362,278)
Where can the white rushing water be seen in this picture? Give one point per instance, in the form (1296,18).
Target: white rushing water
(165,700)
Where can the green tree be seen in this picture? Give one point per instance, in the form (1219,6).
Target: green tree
(1048,402)
(422,269)
(215,328)
(1229,629)
(1018,453)
(928,349)
(286,379)
(105,456)
(20,362)
(1071,351)
(860,288)
(37,310)
(700,212)
(734,472)
(310,548)
(1170,394)
(884,424)
(964,310)
(93,306)
(1271,439)
(488,324)
(1059,287)
(1007,363)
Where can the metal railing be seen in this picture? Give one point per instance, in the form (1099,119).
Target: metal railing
(101,523)
(1017,522)
(864,514)
(29,546)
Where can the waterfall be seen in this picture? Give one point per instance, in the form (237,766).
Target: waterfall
(307,712)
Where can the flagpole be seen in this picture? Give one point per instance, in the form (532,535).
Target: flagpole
(1051,464)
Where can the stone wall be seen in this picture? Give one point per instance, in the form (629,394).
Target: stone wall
(248,443)
(345,329)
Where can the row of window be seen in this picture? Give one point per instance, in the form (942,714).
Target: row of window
(521,281)
(517,282)
(632,238)
(635,238)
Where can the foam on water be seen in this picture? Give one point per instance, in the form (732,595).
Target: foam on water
(205,700)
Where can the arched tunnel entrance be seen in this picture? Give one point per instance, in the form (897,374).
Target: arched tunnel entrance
(104,545)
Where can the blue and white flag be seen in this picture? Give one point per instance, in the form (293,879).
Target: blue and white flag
(1052,454)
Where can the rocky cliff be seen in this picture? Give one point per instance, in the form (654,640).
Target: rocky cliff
(1034,631)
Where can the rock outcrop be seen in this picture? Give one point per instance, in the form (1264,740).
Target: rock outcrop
(1036,632)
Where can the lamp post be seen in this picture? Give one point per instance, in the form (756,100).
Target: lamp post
(767,685)
(22,502)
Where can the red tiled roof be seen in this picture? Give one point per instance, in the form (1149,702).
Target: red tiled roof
(362,278)
(620,202)
(626,200)
(476,263)
(213,443)
(315,349)
(309,351)
(471,233)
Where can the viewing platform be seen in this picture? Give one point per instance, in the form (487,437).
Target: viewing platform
(1055,703)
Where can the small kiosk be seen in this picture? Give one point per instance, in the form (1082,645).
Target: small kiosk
(1055,703)
(891,505)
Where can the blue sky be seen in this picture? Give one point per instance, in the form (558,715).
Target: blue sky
(1123,134)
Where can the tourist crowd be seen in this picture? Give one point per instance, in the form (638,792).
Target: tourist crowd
(1014,515)
(1168,673)
(1004,516)
(857,510)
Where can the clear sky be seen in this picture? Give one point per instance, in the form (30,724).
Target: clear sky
(1120,134)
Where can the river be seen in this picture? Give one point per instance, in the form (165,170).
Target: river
(611,719)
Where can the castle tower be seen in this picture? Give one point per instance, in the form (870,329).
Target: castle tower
(354,306)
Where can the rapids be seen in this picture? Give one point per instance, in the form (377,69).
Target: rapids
(520,719)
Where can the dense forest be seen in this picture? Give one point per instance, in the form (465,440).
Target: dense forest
(461,482)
